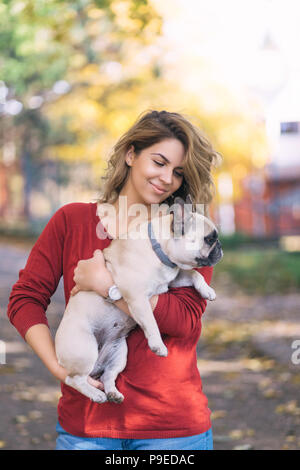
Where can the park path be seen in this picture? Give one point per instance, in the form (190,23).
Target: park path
(244,356)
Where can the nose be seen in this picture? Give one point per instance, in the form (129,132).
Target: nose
(211,237)
(166,176)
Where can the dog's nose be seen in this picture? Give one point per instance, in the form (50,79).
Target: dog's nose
(211,238)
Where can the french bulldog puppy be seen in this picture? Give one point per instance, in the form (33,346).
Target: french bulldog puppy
(91,338)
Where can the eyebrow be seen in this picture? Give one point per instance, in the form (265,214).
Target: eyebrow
(165,158)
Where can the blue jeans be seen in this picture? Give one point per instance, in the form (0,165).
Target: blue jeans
(66,441)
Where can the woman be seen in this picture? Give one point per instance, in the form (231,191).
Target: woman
(162,156)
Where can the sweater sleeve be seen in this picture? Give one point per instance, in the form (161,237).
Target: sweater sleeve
(178,312)
(30,295)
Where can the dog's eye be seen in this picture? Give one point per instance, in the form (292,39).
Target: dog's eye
(210,241)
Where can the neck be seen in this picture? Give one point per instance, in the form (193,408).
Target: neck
(121,218)
(131,196)
(128,198)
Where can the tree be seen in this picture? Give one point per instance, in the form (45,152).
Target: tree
(76,53)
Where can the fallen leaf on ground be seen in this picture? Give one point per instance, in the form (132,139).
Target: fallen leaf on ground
(289,408)
(217,414)
(271,393)
(21,419)
(243,447)
(236,434)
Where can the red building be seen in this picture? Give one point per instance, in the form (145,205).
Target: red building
(282,195)
(270,205)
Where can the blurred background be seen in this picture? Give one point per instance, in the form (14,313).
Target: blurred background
(73,77)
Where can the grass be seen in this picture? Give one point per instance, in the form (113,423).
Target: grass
(261,270)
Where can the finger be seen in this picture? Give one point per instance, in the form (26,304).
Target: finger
(95,383)
(75,290)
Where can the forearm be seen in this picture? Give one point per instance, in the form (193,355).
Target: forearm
(40,340)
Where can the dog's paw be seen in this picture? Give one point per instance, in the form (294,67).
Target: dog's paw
(158,349)
(208,293)
(115,397)
(98,397)
(80,383)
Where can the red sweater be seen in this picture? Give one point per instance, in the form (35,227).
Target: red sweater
(163,396)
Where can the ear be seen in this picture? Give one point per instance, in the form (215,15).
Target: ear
(188,206)
(178,200)
(181,215)
(129,157)
(189,200)
(177,209)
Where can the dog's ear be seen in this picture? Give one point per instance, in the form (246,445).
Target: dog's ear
(177,211)
(178,200)
(182,212)
(188,207)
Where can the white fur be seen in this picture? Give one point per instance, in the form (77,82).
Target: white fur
(91,339)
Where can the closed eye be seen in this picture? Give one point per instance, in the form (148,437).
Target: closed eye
(180,175)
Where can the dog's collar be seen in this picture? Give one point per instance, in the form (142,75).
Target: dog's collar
(157,248)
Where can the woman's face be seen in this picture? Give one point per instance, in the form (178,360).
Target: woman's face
(156,173)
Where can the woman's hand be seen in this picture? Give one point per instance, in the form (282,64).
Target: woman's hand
(61,374)
(92,275)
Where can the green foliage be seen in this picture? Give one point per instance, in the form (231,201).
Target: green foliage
(70,65)
(261,271)
(240,240)
(44,42)
(38,39)
(33,48)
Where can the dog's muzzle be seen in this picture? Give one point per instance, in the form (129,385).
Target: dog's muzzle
(213,258)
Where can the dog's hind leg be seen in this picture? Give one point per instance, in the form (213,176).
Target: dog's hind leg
(114,362)
(80,365)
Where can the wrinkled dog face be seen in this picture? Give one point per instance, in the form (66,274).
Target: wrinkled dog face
(195,238)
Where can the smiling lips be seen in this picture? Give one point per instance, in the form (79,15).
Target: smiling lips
(158,189)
